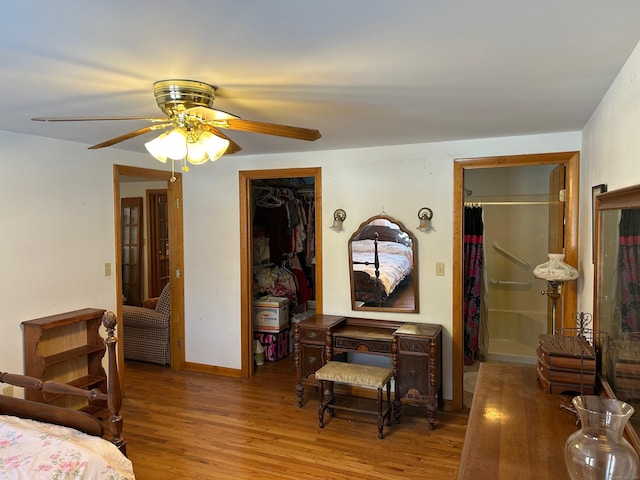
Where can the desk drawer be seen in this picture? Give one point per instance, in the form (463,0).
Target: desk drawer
(314,335)
(413,377)
(311,358)
(360,345)
(414,345)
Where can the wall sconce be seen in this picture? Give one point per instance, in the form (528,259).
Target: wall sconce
(425,215)
(339,216)
(555,272)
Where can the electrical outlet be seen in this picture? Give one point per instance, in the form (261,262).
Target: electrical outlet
(8,391)
(440,269)
(107,269)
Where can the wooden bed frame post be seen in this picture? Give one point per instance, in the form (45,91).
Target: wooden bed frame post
(114,391)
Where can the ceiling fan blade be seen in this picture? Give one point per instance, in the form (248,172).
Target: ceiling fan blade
(209,114)
(129,135)
(94,119)
(233,146)
(242,125)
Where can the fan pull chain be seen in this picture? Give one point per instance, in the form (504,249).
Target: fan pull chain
(173,173)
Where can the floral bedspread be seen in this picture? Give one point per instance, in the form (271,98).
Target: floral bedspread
(34,450)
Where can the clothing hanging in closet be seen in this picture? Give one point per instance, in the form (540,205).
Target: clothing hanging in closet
(286,220)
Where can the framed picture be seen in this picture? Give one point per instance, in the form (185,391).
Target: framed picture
(595,191)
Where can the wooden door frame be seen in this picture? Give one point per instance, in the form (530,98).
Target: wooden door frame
(246,251)
(571,160)
(176,260)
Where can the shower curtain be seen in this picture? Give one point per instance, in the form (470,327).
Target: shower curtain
(473,265)
(628,268)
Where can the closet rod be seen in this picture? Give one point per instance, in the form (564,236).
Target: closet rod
(299,190)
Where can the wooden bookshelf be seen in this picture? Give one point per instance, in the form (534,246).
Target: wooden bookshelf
(68,348)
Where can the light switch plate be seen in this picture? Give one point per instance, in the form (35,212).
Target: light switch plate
(107,269)
(440,269)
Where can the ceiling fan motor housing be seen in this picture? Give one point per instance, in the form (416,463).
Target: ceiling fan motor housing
(176,96)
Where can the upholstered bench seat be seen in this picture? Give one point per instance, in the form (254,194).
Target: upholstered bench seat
(355,375)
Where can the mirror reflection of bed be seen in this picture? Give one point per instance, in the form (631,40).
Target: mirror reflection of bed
(382,256)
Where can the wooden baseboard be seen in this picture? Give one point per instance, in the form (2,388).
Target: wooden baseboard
(223,371)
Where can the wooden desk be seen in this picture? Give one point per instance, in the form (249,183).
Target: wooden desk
(515,429)
(415,350)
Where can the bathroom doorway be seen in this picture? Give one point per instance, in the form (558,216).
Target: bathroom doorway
(569,236)
(518,216)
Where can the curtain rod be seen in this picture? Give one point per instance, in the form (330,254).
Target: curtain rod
(482,204)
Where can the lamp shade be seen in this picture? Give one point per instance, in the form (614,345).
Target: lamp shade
(194,145)
(555,269)
(196,153)
(175,144)
(155,148)
(215,146)
(171,145)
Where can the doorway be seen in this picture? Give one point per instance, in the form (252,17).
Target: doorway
(515,205)
(131,218)
(247,179)
(157,241)
(121,174)
(570,163)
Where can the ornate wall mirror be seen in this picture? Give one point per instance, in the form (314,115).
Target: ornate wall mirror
(617,297)
(383,274)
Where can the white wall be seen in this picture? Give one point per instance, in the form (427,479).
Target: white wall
(610,155)
(58,230)
(57,233)
(364,182)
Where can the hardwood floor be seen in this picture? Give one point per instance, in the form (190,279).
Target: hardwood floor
(199,426)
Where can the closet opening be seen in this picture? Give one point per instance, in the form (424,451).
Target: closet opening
(281,264)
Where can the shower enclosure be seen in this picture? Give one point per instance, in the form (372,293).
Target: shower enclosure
(516,205)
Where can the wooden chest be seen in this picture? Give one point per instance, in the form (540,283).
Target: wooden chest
(566,364)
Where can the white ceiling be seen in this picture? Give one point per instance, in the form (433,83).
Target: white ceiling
(363,72)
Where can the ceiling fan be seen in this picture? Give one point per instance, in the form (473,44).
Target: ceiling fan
(188,106)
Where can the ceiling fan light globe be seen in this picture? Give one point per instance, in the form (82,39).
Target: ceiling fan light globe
(175,144)
(155,148)
(196,153)
(214,145)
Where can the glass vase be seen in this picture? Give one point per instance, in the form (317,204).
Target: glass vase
(599,451)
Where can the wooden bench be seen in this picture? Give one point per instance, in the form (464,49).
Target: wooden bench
(355,375)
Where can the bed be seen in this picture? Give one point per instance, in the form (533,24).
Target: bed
(382,259)
(39,440)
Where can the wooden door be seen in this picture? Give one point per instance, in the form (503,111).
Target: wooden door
(556,233)
(131,214)
(158,241)
(556,209)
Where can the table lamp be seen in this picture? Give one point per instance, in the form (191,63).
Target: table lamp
(555,272)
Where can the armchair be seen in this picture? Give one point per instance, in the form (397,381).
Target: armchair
(146,330)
